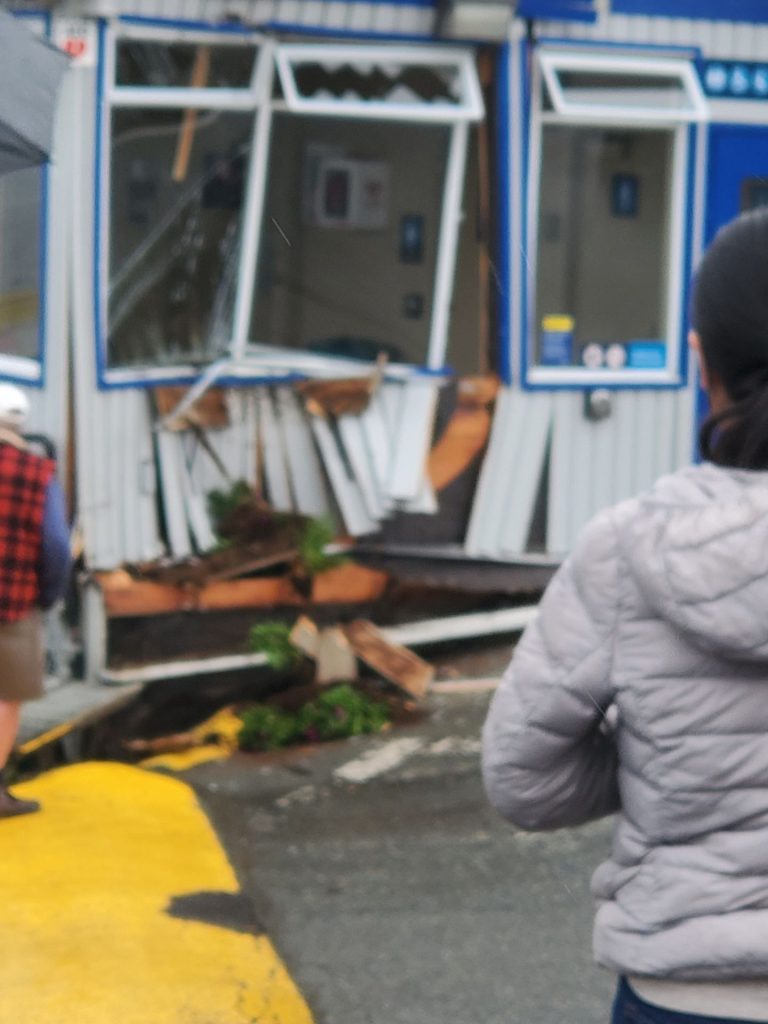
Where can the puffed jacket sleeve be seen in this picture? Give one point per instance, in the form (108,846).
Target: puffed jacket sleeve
(549,759)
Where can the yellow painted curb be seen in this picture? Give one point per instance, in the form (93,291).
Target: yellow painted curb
(85,887)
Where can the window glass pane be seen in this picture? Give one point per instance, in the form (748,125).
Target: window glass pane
(20,256)
(179,65)
(622,89)
(177,192)
(350,237)
(603,246)
(367,82)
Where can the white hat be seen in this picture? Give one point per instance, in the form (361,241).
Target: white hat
(14,407)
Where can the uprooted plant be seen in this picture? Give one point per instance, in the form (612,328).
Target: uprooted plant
(240,516)
(337,713)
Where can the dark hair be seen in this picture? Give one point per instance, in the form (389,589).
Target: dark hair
(729,311)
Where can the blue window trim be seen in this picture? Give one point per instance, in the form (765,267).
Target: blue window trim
(39,380)
(682,379)
(558,10)
(504,241)
(708,10)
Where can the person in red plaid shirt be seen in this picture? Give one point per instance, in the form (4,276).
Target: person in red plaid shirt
(34,569)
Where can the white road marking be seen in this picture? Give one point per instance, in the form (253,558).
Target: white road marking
(455,745)
(376,762)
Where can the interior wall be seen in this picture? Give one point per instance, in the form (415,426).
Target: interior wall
(319,283)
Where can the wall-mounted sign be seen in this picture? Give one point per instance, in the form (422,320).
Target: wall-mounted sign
(625,195)
(79,38)
(557,340)
(411,238)
(735,80)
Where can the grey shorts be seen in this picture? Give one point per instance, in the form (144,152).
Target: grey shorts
(21,659)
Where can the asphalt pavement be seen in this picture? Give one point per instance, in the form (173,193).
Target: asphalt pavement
(395,895)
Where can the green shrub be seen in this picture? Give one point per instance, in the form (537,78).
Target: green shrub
(266,728)
(341,711)
(221,504)
(317,533)
(336,713)
(273,639)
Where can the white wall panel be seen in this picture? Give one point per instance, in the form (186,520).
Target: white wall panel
(116,499)
(360,17)
(595,464)
(724,39)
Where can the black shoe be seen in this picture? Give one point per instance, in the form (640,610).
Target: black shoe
(12,807)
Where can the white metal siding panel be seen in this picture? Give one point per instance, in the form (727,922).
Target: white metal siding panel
(594,465)
(115,483)
(359,17)
(504,500)
(724,39)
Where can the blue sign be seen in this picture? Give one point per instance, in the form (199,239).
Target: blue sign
(735,80)
(646,355)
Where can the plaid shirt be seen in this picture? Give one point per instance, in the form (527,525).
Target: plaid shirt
(24,478)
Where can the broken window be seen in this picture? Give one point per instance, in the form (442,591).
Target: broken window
(265,204)
(611,215)
(180,119)
(350,269)
(176,202)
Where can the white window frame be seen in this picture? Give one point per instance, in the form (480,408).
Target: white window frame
(469,106)
(679,125)
(457,118)
(25,369)
(116,97)
(552,63)
(256,358)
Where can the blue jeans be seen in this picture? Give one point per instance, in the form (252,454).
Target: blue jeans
(628,1008)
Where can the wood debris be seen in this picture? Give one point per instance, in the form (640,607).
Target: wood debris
(342,397)
(336,661)
(305,636)
(398,664)
(209,411)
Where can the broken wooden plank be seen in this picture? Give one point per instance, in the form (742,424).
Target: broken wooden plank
(336,660)
(139,598)
(349,584)
(210,411)
(126,597)
(466,434)
(400,666)
(346,396)
(305,636)
(253,565)
(201,70)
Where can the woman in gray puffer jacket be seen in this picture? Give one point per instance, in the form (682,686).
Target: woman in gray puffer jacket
(642,689)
